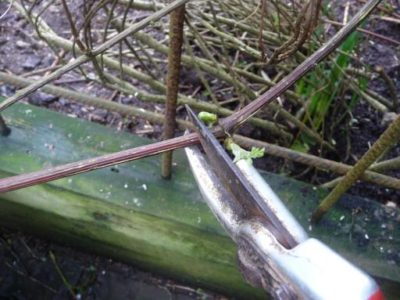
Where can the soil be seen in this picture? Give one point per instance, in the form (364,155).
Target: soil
(32,268)
(29,264)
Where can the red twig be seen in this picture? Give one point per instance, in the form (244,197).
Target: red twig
(29,179)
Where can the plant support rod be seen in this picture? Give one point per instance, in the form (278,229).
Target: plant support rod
(176,18)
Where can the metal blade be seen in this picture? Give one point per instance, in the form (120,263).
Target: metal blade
(232,179)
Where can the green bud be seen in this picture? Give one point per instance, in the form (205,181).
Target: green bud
(208,118)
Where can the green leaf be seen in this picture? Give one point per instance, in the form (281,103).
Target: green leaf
(300,146)
(239,153)
(256,152)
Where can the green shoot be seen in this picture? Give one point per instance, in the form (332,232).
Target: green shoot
(321,88)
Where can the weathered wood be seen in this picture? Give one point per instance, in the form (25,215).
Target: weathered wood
(128,212)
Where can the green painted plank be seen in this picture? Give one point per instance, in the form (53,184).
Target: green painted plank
(167,247)
(130,213)
(41,138)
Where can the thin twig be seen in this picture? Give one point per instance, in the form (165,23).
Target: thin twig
(237,119)
(7,10)
(390,164)
(374,34)
(65,281)
(124,110)
(85,58)
(391,86)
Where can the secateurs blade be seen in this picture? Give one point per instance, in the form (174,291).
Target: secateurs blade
(274,251)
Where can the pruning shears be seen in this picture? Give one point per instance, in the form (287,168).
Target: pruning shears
(274,251)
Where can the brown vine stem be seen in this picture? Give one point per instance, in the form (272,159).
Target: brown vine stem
(237,119)
(98,50)
(28,179)
(74,32)
(177,18)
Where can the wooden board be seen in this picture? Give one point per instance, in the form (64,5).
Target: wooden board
(128,212)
